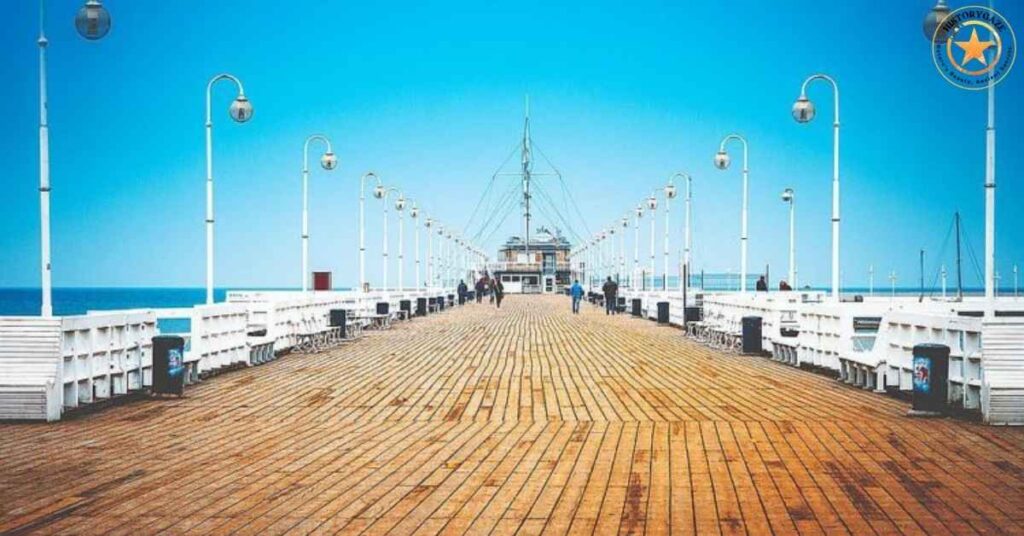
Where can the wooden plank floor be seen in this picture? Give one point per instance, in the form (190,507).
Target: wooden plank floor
(525,419)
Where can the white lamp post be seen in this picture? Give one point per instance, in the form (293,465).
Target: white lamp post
(652,205)
(400,207)
(722,162)
(803,112)
(622,248)
(943,274)
(788,197)
(636,247)
(362,223)
(670,193)
(871,280)
(92,23)
(328,161)
(383,193)
(240,111)
(414,213)
(430,252)
(686,229)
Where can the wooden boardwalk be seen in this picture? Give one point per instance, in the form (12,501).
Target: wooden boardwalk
(525,419)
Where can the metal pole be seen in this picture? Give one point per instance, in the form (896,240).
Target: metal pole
(46,308)
(636,250)
(792,241)
(835,175)
(743,214)
(622,252)
(305,205)
(209,178)
(664,277)
(871,280)
(653,274)
(401,249)
(430,258)
(943,281)
(990,201)
(416,240)
(362,227)
(687,234)
(385,250)
(743,230)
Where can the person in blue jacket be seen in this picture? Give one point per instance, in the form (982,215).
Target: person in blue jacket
(576,291)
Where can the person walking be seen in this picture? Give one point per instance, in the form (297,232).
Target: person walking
(610,289)
(576,291)
(479,288)
(491,285)
(499,292)
(463,290)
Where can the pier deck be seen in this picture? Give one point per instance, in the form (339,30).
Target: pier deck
(521,419)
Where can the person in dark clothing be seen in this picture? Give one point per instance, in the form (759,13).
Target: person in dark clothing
(762,285)
(783,285)
(463,290)
(490,284)
(610,289)
(479,288)
(499,292)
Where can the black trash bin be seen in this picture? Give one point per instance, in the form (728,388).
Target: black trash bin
(440,303)
(637,307)
(751,335)
(931,375)
(691,314)
(406,305)
(168,364)
(421,307)
(383,308)
(663,312)
(339,319)
(451,300)
(620,304)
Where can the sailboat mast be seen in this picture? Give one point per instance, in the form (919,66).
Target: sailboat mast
(959,273)
(527,166)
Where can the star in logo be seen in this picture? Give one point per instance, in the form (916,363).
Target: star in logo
(974,49)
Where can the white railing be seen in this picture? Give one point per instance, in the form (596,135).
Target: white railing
(49,365)
(218,337)
(105,354)
(1002,391)
(30,368)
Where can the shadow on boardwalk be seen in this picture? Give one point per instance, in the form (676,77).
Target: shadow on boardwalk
(524,419)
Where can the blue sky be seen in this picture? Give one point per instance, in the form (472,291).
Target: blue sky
(429,94)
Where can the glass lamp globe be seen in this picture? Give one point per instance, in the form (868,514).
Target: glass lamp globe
(92,20)
(241,109)
(803,109)
(787,195)
(670,191)
(625,223)
(329,161)
(639,211)
(400,203)
(428,223)
(378,192)
(414,212)
(652,202)
(933,20)
(722,159)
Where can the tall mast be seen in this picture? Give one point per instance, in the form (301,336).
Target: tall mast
(959,274)
(527,168)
